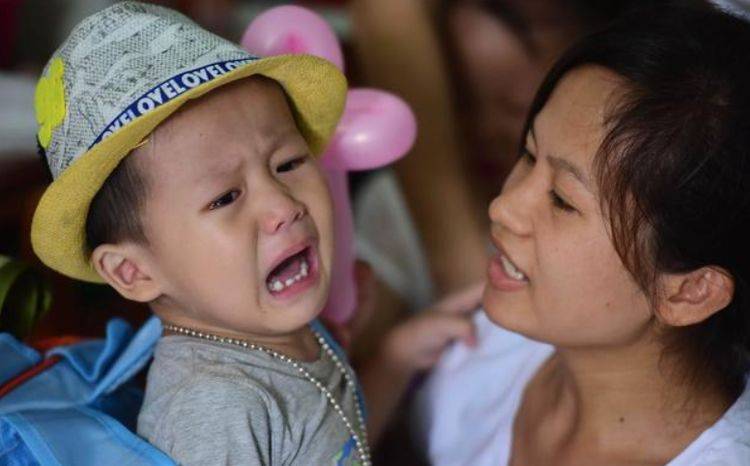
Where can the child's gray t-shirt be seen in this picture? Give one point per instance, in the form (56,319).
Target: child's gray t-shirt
(210,403)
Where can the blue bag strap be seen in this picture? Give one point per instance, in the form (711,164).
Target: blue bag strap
(13,450)
(109,363)
(16,357)
(88,370)
(98,439)
(318,326)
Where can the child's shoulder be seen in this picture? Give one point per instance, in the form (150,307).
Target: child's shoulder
(188,375)
(221,387)
(227,412)
(204,396)
(195,370)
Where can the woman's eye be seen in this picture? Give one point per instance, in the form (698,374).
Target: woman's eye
(560,203)
(291,165)
(527,157)
(225,199)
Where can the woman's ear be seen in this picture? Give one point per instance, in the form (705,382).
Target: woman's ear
(124,267)
(693,297)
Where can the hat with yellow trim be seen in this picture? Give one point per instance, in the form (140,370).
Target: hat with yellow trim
(119,74)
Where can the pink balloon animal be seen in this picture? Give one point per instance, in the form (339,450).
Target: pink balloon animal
(376,129)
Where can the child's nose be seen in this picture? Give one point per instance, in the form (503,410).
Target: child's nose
(281,212)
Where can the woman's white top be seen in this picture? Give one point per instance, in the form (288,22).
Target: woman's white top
(466,408)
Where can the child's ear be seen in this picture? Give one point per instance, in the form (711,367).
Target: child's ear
(693,297)
(123,266)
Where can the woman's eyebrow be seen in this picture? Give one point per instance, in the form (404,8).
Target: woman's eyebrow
(559,163)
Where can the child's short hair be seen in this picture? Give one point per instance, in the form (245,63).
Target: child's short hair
(115,212)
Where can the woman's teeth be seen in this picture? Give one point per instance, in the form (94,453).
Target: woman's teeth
(511,270)
(277,285)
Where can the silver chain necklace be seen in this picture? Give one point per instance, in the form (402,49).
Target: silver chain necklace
(359,439)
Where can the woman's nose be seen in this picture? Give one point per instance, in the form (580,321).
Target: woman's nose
(512,208)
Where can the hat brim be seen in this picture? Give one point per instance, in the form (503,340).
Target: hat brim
(316,90)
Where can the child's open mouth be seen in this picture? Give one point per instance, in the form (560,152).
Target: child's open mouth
(293,274)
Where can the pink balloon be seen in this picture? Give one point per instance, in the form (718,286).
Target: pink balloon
(292,29)
(376,129)
(342,299)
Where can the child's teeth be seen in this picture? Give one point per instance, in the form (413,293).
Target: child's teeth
(278,285)
(511,269)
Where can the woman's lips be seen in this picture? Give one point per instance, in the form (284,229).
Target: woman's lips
(503,275)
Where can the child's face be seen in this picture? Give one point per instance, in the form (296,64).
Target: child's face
(238,216)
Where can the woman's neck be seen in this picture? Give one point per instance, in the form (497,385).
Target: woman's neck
(617,401)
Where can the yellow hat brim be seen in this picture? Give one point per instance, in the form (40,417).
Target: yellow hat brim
(316,90)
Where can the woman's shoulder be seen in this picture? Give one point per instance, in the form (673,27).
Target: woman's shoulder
(496,349)
(726,443)
(499,361)
(476,390)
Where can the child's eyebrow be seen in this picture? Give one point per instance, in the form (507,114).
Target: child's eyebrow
(220,170)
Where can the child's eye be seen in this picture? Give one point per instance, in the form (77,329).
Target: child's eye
(225,199)
(560,203)
(291,165)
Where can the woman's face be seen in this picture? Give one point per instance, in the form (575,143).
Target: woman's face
(557,277)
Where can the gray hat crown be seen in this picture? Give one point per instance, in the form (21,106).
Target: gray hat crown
(118,64)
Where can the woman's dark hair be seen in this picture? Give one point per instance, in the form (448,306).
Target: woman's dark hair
(674,167)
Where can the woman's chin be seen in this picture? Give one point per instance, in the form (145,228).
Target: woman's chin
(507,311)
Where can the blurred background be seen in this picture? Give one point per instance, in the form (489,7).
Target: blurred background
(468,68)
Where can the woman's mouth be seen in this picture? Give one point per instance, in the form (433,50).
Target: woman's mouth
(294,274)
(511,269)
(504,275)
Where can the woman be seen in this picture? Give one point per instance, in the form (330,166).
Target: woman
(620,286)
